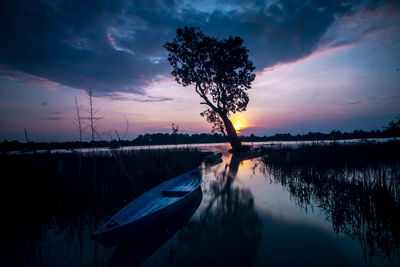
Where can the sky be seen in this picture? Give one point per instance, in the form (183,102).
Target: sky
(321,65)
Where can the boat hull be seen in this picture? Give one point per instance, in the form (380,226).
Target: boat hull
(131,229)
(134,251)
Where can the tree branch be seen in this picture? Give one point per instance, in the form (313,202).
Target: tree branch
(202,95)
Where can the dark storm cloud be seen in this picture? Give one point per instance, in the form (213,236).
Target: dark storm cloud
(116,46)
(287,30)
(72,43)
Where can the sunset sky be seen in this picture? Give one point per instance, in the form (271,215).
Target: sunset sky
(321,65)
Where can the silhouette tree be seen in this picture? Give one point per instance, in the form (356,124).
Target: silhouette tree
(221,72)
(393,128)
(175,128)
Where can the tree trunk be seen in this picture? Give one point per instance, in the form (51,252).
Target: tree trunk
(230,130)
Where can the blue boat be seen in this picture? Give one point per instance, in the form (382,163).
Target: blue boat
(138,249)
(152,208)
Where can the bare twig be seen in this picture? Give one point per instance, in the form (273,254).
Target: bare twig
(91,113)
(26,137)
(127,127)
(78,120)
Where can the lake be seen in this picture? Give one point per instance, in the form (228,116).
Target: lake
(250,216)
(250,213)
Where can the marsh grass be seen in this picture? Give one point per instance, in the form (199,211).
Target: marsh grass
(334,155)
(357,187)
(43,191)
(51,183)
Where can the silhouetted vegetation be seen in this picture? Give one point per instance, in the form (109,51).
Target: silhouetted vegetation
(334,155)
(333,135)
(357,186)
(141,140)
(220,71)
(47,191)
(174,139)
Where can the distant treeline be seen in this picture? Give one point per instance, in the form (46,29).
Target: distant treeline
(334,135)
(141,140)
(165,139)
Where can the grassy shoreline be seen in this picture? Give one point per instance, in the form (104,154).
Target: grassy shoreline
(356,186)
(69,195)
(186,139)
(43,184)
(333,155)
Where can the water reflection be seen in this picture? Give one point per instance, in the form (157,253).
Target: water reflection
(300,216)
(43,243)
(228,231)
(362,203)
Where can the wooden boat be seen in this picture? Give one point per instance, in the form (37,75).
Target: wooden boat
(138,249)
(150,209)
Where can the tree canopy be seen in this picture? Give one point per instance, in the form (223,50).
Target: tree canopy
(220,71)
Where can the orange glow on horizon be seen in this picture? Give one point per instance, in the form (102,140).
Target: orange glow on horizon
(239,125)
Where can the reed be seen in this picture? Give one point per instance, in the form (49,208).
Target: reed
(333,155)
(37,186)
(357,187)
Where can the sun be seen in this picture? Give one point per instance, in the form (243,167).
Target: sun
(238,126)
(239,122)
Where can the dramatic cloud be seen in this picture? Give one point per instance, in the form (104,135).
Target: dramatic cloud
(144,99)
(116,46)
(72,43)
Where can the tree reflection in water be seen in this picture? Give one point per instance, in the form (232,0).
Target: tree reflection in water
(229,230)
(362,202)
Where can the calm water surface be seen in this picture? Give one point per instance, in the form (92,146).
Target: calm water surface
(248,214)
(253,215)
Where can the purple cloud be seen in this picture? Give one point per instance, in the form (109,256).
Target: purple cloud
(116,46)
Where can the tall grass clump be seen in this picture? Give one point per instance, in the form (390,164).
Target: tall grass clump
(357,186)
(334,155)
(44,192)
(45,183)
